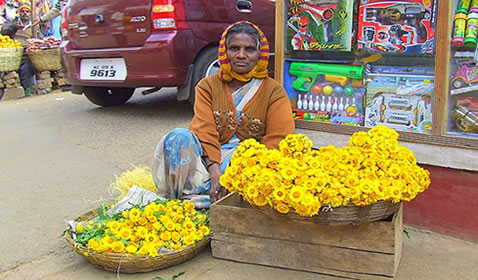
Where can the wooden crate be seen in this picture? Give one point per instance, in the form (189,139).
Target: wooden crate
(364,251)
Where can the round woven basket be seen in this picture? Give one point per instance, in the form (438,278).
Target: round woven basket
(10,59)
(45,60)
(343,215)
(128,263)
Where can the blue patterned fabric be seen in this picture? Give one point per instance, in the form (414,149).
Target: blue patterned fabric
(178,168)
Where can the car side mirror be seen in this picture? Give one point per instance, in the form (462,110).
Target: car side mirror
(244,6)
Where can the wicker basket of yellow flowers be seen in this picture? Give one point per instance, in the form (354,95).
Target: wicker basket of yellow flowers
(362,182)
(140,239)
(10,54)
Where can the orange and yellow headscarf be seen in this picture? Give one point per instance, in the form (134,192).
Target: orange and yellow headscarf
(259,71)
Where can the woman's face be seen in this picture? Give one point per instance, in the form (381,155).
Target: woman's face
(242,52)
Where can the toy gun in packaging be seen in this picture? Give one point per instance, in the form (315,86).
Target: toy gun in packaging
(307,73)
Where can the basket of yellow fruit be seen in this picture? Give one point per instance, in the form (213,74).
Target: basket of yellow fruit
(10,54)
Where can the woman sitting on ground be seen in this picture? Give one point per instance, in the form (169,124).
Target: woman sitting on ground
(238,103)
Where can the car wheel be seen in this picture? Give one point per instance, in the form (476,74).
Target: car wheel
(108,96)
(205,65)
(458,83)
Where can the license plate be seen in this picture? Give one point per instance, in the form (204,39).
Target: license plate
(104,69)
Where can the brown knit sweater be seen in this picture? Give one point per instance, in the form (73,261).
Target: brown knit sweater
(267,117)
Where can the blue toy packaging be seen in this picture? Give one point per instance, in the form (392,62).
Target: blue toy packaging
(325,92)
(400,98)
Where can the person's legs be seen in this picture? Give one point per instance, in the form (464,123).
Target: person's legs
(27,76)
(178,170)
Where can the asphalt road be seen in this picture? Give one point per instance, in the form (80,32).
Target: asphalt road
(58,155)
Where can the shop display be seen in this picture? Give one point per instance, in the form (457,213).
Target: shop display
(326,92)
(405,26)
(463,91)
(400,98)
(320,25)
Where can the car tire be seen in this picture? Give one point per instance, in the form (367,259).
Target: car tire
(107,97)
(205,65)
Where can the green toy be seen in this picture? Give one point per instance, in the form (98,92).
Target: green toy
(307,73)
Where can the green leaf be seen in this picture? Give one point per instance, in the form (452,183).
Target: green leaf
(177,275)
(406,233)
(102,212)
(159,213)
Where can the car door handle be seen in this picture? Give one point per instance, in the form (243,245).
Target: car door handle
(244,6)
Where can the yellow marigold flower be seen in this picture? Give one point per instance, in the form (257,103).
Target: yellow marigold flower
(125,233)
(175,236)
(151,237)
(143,251)
(188,240)
(93,244)
(142,220)
(141,232)
(131,249)
(118,247)
(279,194)
(134,214)
(260,200)
(252,191)
(288,172)
(296,194)
(113,226)
(198,235)
(394,170)
(308,199)
(165,235)
(205,230)
(79,228)
(169,225)
(282,208)
(125,214)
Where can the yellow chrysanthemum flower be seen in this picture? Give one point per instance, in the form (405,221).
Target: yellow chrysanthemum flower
(252,191)
(282,208)
(296,194)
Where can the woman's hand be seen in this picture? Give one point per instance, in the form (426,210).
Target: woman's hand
(217,191)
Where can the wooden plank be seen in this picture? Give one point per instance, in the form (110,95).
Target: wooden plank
(279,42)
(373,237)
(442,69)
(451,141)
(398,226)
(302,256)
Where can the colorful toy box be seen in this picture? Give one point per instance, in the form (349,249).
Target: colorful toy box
(319,25)
(325,92)
(405,26)
(400,98)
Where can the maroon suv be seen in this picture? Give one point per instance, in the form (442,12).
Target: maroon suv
(111,47)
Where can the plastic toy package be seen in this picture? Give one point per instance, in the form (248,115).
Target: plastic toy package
(405,26)
(319,25)
(465,115)
(463,99)
(400,98)
(325,92)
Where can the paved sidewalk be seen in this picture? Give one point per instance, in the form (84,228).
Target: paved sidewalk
(426,255)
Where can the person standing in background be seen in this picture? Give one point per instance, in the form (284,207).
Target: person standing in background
(25,32)
(51,14)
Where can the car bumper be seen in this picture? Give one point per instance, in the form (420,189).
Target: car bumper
(163,60)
